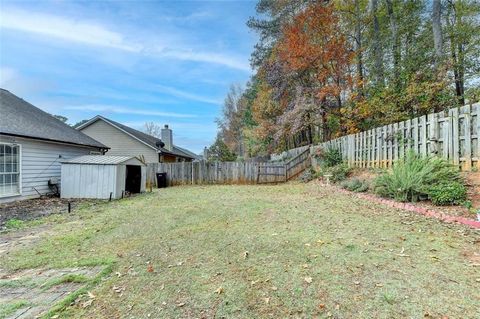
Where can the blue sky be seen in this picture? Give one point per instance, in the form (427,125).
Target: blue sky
(168,62)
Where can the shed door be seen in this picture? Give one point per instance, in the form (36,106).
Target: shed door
(133,179)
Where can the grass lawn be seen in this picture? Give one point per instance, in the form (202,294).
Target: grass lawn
(292,250)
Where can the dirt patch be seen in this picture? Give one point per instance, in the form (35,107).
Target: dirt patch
(21,238)
(31,293)
(36,208)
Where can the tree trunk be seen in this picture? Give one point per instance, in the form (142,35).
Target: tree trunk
(395,44)
(437,30)
(377,49)
(457,57)
(358,48)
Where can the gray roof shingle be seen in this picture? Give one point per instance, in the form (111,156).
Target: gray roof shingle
(20,118)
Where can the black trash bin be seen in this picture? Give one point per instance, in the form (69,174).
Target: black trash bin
(161,180)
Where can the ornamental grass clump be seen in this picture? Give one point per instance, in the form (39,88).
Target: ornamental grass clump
(412,178)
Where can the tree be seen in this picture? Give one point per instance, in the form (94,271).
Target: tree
(437,29)
(80,123)
(61,118)
(152,129)
(230,122)
(219,152)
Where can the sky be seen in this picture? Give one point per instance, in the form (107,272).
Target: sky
(167,62)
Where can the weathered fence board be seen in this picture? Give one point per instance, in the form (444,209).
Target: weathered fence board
(452,134)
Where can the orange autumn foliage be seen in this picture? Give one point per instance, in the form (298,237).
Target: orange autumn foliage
(313,46)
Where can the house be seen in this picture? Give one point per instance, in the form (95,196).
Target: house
(32,145)
(126,141)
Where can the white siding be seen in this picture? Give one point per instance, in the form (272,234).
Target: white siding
(40,161)
(91,181)
(119,142)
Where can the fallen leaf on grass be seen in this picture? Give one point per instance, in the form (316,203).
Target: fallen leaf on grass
(356,282)
(305,266)
(321,306)
(87,303)
(378,285)
(274,288)
(90,295)
(150,268)
(118,290)
(219,291)
(308,280)
(181,304)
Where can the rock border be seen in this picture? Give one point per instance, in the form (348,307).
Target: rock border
(418,210)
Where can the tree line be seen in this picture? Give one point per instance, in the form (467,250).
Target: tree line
(323,69)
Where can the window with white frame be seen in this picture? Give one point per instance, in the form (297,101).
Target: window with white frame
(9,169)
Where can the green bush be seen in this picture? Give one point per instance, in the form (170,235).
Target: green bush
(411,178)
(355,185)
(329,157)
(453,193)
(339,172)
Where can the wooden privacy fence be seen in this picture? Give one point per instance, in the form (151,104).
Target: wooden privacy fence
(297,164)
(452,134)
(230,172)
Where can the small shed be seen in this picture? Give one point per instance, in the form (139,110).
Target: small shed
(102,176)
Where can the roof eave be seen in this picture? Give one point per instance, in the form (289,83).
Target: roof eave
(56,141)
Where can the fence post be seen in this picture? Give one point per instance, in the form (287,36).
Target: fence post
(454,138)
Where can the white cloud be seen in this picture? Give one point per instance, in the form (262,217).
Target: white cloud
(66,29)
(186,95)
(95,34)
(126,110)
(208,57)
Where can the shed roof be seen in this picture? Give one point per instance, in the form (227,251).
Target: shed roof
(20,118)
(100,159)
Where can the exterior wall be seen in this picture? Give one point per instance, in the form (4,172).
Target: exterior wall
(168,159)
(90,181)
(119,142)
(40,161)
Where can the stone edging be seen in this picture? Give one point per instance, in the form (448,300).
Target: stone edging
(415,209)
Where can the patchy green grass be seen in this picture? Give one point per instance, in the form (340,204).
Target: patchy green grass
(10,308)
(14,224)
(293,250)
(76,278)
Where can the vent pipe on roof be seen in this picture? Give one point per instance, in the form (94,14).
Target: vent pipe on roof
(167,138)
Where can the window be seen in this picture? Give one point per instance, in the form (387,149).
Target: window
(9,169)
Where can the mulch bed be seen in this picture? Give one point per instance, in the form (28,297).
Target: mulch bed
(33,208)
(426,211)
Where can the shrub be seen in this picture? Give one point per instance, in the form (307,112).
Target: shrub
(329,157)
(339,172)
(453,193)
(412,178)
(307,176)
(355,185)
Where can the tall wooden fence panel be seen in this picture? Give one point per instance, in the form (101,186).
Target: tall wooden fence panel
(218,173)
(451,134)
